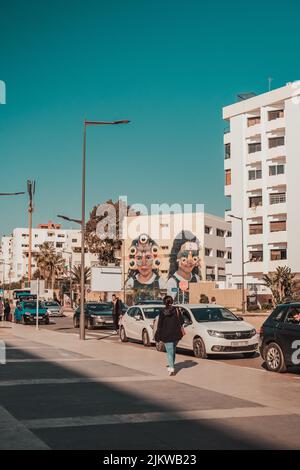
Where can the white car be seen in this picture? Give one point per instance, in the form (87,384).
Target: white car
(213,329)
(137,323)
(53,308)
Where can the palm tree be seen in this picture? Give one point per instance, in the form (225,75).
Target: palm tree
(282,284)
(49,263)
(76,275)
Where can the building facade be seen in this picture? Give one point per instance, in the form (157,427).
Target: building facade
(14,249)
(261,181)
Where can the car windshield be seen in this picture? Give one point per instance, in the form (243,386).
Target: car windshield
(51,304)
(213,314)
(98,307)
(32,305)
(152,312)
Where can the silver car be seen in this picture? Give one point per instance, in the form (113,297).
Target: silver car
(53,308)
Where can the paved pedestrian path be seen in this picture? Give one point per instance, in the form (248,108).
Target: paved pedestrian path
(59,392)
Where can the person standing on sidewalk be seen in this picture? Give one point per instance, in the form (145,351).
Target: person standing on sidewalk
(169,330)
(7,310)
(117,312)
(1,310)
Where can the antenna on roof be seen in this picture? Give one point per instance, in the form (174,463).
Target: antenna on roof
(270,80)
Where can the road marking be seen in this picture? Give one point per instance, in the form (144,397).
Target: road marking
(75,380)
(54,360)
(164,416)
(15,435)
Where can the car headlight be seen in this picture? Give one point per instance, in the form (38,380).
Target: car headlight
(27,314)
(49,312)
(217,334)
(253,332)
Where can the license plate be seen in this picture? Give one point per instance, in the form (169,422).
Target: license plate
(239,343)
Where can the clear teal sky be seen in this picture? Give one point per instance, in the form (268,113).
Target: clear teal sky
(167,65)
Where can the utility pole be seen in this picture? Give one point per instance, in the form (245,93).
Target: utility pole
(31,191)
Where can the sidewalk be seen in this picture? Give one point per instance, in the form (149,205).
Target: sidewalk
(67,393)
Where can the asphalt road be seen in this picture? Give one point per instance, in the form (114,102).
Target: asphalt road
(65,325)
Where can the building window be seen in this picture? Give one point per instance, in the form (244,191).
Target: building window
(277,198)
(208,230)
(59,244)
(220,233)
(252,121)
(74,240)
(229,255)
(256,256)
(276,142)
(276,170)
(24,245)
(278,254)
(276,114)
(229,234)
(255,147)
(278,226)
(164,247)
(60,235)
(208,251)
(254,174)
(255,201)
(227,177)
(227,151)
(255,229)
(220,254)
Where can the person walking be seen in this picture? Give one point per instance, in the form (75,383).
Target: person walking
(1,310)
(7,310)
(117,312)
(169,330)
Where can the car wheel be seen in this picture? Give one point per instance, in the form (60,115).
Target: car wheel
(250,354)
(199,348)
(123,336)
(75,322)
(24,320)
(160,346)
(47,321)
(274,358)
(146,339)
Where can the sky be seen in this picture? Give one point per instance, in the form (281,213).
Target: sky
(166,65)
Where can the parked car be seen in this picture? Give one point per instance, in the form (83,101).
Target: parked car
(96,314)
(280,338)
(137,323)
(25,312)
(213,329)
(54,308)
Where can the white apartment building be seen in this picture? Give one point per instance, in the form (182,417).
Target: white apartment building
(14,249)
(210,230)
(262,168)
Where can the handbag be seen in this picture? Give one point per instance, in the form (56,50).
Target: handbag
(183,332)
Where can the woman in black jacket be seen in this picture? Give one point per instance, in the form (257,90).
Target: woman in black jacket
(169,330)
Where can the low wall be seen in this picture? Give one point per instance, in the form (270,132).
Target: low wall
(231,298)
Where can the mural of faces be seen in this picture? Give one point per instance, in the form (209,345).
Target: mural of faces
(188,257)
(143,256)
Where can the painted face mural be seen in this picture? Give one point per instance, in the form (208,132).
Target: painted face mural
(144,263)
(184,265)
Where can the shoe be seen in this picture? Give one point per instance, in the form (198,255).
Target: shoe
(115,332)
(171,371)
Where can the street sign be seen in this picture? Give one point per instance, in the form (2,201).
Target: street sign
(37,287)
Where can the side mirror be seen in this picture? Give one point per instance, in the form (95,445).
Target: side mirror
(241,318)
(138,317)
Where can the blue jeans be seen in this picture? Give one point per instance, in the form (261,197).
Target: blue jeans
(171,352)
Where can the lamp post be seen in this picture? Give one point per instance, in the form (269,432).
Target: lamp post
(82,285)
(30,191)
(243,261)
(70,273)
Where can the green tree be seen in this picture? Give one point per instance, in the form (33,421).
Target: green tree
(76,275)
(282,284)
(50,264)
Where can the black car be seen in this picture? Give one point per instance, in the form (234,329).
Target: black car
(96,314)
(280,337)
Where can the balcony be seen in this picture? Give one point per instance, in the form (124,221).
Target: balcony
(275,124)
(255,211)
(255,239)
(277,237)
(254,157)
(276,180)
(254,267)
(277,203)
(253,130)
(253,185)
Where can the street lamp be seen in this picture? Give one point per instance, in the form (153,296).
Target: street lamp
(82,285)
(243,261)
(70,273)
(30,191)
